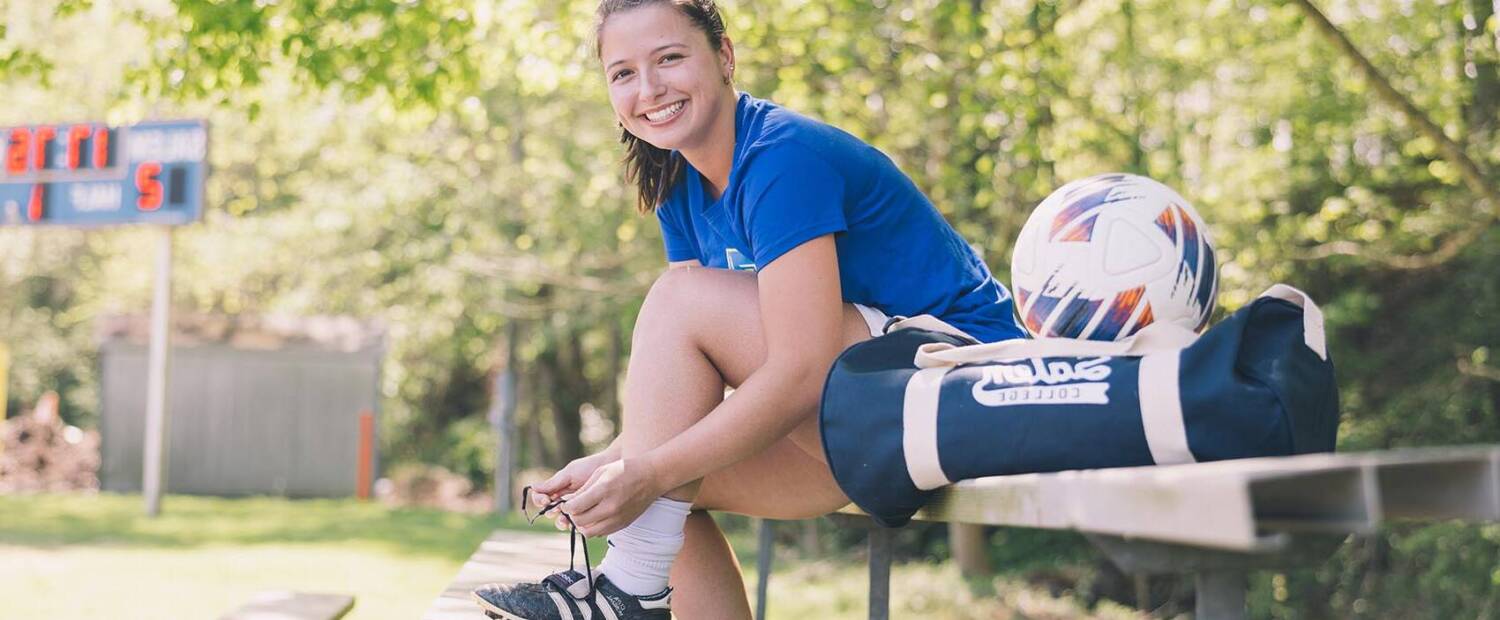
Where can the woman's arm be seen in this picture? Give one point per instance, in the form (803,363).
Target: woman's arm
(802,315)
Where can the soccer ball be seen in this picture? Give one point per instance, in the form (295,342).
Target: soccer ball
(1105,256)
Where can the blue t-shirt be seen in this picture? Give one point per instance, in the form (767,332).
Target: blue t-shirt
(794,179)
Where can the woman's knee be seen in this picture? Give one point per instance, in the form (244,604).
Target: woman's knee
(684,302)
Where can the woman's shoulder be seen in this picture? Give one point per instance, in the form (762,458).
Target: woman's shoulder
(779,138)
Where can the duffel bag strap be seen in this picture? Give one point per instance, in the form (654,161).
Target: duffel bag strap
(1161,409)
(1157,337)
(1312,317)
(919,432)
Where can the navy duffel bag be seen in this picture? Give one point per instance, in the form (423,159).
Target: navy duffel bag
(922,406)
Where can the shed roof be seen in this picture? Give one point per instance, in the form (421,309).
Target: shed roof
(266,333)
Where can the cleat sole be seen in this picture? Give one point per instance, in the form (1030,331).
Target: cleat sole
(493,611)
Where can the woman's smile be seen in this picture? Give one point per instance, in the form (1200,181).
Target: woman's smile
(664,115)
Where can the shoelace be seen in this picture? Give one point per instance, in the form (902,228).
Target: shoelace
(573,535)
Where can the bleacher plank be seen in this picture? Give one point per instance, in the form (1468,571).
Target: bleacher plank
(507,556)
(1220,520)
(289,605)
(1243,505)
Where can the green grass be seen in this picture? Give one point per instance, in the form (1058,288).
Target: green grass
(98,556)
(191,522)
(827,589)
(74,556)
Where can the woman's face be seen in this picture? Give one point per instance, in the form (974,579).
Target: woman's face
(666,84)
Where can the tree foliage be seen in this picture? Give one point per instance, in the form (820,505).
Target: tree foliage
(451,168)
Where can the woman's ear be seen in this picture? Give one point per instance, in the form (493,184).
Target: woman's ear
(726,58)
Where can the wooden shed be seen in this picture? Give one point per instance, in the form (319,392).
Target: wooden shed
(257,406)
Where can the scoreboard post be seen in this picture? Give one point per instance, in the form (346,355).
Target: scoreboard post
(92,175)
(4,382)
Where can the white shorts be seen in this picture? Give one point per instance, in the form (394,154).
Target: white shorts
(875,319)
(877,322)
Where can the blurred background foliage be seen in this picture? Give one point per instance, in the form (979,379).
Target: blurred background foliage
(450,168)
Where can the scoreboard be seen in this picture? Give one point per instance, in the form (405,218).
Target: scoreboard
(90,174)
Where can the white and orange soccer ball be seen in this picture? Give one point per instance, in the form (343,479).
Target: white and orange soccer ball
(1105,256)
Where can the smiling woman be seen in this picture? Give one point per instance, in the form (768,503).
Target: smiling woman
(812,239)
(670,75)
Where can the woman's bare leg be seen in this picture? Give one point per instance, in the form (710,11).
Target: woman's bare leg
(699,331)
(784,482)
(706,576)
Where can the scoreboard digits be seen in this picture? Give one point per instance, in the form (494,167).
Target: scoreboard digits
(92,174)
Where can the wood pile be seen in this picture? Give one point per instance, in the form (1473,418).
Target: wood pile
(41,454)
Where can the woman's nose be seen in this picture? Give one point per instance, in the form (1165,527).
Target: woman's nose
(651,86)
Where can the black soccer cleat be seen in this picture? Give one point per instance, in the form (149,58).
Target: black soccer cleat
(569,595)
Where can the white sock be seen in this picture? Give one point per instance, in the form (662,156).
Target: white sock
(641,555)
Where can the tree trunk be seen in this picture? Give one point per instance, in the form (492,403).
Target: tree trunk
(537,384)
(1480,66)
(1133,93)
(1473,176)
(563,399)
(616,380)
(577,390)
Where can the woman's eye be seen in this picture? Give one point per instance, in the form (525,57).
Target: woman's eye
(670,57)
(620,75)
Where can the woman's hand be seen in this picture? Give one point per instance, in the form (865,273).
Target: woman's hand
(568,480)
(613,497)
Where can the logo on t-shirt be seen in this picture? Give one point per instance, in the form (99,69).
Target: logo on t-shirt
(737,261)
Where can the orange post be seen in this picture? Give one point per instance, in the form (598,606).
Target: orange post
(366,473)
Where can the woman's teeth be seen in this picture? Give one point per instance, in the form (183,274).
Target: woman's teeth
(665,113)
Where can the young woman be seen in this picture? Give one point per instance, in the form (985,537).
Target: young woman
(787,240)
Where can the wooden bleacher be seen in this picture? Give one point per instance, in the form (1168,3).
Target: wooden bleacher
(1218,521)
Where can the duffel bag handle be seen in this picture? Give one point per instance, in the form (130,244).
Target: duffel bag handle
(1157,337)
(1151,339)
(1312,317)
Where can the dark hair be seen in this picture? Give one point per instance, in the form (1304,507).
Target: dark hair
(654,171)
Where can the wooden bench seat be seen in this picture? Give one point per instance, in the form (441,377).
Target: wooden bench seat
(1217,520)
(289,605)
(507,556)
